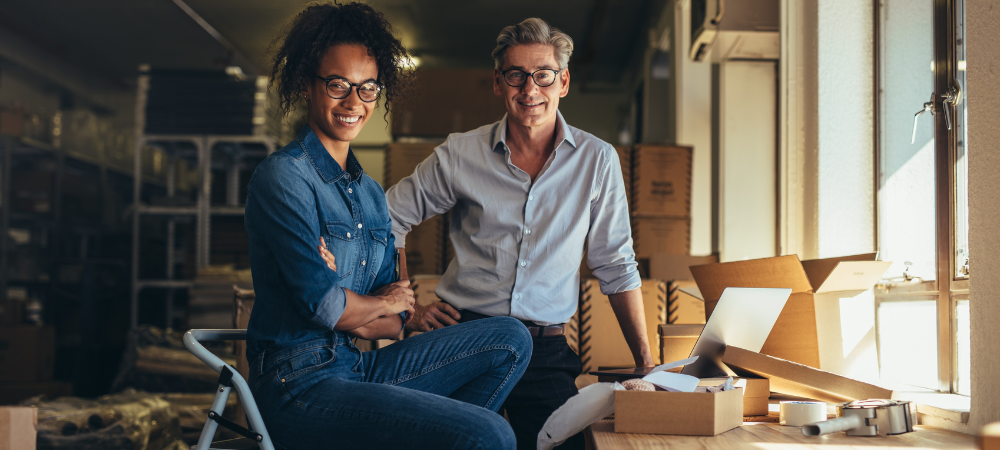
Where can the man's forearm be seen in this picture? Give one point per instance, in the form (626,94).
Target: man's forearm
(632,319)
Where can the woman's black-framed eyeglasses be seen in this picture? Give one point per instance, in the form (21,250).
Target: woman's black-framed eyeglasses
(542,77)
(338,88)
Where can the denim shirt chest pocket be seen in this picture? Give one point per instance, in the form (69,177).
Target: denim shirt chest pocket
(345,243)
(380,239)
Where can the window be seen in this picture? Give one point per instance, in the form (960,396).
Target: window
(922,307)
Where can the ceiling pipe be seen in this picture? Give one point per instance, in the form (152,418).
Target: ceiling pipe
(249,67)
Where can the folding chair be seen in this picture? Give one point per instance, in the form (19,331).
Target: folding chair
(254,437)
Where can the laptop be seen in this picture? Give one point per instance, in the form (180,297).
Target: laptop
(742,318)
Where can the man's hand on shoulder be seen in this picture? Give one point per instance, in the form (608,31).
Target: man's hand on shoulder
(433,316)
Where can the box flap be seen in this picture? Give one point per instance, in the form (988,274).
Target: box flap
(777,272)
(819,269)
(676,267)
(854,276)
(681,330)
(791,378)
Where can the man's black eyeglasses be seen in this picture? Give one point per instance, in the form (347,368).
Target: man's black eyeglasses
(338,88)
(542,77)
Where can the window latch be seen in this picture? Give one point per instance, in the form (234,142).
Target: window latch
(928,107)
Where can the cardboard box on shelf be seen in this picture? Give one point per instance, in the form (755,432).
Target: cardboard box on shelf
(806,316)
(683,413)
(601,341)
(677,341)
(18,427)
(661,181)
(659,235)
(26,353)
(11,122)
(402,159)
(466,101)
(790,378)
(13,392)
(424,248)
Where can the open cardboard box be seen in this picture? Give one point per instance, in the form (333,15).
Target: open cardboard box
(684,413)
(809,330)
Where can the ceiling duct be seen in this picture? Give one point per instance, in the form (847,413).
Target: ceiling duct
(734,29)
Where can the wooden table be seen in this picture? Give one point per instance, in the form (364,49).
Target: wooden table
(769,436)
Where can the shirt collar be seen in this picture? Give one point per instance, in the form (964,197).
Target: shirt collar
(563,133)
(327,167)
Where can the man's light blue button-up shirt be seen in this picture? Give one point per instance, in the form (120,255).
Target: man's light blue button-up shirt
(518,244)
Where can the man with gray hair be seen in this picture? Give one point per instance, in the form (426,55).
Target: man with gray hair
(526,193)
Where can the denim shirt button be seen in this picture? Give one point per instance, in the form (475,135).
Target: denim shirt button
(350,191)
(363,262)
(348,235)
(359,225)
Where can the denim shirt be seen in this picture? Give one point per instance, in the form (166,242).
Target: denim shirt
(296,195)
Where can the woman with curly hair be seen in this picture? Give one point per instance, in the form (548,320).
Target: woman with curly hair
(314,388)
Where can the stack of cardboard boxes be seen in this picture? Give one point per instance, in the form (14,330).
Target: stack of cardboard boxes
(661,201)
(425,242)
(27,357)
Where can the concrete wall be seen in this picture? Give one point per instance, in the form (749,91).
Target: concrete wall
(983,83)
(826,159)
(846,214)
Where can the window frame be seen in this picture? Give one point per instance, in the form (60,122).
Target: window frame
(947,288)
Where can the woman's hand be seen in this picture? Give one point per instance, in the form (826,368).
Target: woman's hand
(331,261)
(398,296)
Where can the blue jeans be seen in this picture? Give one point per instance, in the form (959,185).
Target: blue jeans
(437,390)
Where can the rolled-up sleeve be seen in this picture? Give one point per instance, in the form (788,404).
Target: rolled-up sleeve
(424,194)
(609,244)
(281,216)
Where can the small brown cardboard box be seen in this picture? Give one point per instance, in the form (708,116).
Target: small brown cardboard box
(989,437)
(601,341)
(18,427)
(659,235)
(756,393)
(661,181)
(26,353)
(677,341)
(790,378)
(684,413)
(806,316)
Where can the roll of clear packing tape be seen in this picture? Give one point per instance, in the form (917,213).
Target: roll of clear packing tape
(796,414)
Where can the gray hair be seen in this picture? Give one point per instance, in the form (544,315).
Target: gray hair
(534,31)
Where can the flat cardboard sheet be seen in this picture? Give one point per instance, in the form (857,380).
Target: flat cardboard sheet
(791,378)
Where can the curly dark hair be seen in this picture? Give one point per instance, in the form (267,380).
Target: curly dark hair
(321,26)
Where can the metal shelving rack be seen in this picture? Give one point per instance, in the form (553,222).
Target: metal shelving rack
(205,146)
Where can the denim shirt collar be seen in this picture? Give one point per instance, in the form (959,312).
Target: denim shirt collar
(563,133)
(327,167)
